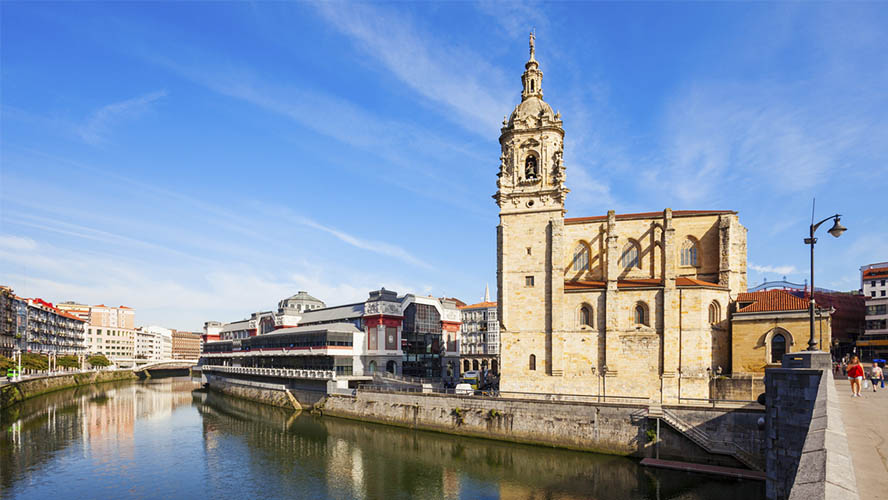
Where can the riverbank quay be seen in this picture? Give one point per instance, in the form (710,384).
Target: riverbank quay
(808,452)
(867,433)
(626,428)
(16,392)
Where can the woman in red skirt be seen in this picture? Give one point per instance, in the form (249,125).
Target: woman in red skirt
(855,375)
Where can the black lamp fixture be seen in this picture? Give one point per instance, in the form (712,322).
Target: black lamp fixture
(836,230)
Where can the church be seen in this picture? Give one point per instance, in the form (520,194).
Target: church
(632,305)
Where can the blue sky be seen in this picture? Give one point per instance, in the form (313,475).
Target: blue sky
(202,160)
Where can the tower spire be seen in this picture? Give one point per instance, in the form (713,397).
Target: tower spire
(532,40)
(486,292)
(532,79)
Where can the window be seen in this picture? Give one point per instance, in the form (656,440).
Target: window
(883,293)
(529,251)
(689,253)
(586,315)
(873,293)
(883,282)
(778,347)
(528,281)
(629,257)
(581,258)
(532,363)
(875,310)
(641,315)
(714,313)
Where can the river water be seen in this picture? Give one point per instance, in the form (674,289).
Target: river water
(162,439)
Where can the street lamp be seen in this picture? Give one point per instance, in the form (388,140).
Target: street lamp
(835,231)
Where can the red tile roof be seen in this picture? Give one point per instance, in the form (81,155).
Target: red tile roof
(647,215)
(478,305)
(637,283)
(770,301)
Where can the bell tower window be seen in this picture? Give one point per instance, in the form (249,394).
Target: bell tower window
(531,169)
(531,86)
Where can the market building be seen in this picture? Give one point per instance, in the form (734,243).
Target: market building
(404,335)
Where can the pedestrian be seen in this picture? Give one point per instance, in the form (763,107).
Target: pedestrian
(876,376)
(855,375)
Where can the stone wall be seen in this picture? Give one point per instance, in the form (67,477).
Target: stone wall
(737,388)
(270,391)
(806,451)
(606,428)
(20,391)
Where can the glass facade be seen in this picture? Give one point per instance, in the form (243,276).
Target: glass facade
(421,337)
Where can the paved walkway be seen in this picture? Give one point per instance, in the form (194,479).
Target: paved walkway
(866,426)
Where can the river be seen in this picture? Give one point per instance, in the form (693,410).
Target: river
(161,438)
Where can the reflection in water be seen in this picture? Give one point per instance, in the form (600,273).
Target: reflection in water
(156,438)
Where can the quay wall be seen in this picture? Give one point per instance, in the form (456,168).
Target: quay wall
(806,447)
(612,428)
(270,391)
(15,392)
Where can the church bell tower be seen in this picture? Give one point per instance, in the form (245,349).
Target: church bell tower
(530,196)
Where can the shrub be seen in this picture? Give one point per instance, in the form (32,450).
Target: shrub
(98,360)
(651,435)
(68,361)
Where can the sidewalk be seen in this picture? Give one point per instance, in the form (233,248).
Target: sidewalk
(867,431)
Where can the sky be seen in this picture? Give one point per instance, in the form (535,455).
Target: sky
(202,160)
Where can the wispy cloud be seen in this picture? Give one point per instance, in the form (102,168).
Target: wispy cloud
(98,126)
(473,91)
(774,269)
(17,242)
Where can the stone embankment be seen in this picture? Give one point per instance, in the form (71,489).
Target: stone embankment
(15,392)
(274,394)
(612,428)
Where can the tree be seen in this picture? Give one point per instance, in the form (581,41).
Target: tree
(34,362)
(68,361)
(98,360)
(5,364)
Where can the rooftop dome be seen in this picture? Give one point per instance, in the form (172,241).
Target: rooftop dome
(532,107)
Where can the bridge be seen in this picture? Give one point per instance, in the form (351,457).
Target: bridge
(167,364)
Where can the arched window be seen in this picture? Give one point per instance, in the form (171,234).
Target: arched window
(586,315)
(689,253)
(531,85)
(533,362)
(390,367)
(641,315)
(373,367)
(778,347)
(714,313)
(530,167)
(475,364)
(465,366)
(629,258)
(581,258)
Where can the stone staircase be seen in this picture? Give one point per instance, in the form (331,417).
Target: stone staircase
(703,440)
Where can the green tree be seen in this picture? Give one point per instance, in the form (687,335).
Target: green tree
(5,364)
(35,362)
(98,360)
(68,361)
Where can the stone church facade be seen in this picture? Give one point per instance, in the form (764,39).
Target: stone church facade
(619,304)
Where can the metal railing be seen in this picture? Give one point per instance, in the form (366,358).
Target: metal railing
(734,403)
(570,398)
(273,372)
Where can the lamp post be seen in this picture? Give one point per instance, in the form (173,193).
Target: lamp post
(835,231)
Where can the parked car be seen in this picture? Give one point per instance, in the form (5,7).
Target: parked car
(464,389)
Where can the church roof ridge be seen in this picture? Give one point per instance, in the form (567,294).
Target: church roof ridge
(647,215)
